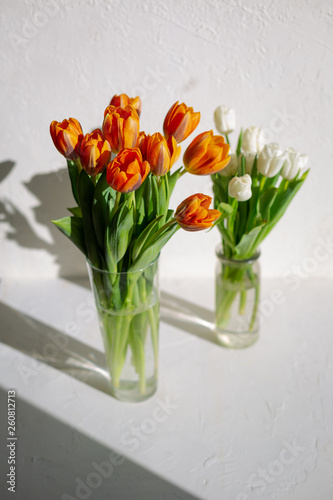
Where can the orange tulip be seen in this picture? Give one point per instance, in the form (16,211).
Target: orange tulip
(158,154)
(142,144)
(123,100)
(94,152)
(180,122)
(174,150)
(66,135)
(121,127)
(127,171)
(207,154)
(193,214)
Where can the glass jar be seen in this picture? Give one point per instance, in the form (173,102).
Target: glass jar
(237,295)
(128,310)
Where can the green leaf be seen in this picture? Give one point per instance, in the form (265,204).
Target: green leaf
(286,193)
(104,197)
(155,195)
(226,236)
(173,178)
(254,209)
(110,258)
(164,195)
(243,209)
(73,171)
(271,181)
(86,195)
(72,227)
(239,144)
(120,231)
(220,189)
(246,248)
(169,215)
(151,252)
(147,196)
(225,209)
(231,220)
(266,201)
(254,172)
(76,211)
(242,165)
(141,240)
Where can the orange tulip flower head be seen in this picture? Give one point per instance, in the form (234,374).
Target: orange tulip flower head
(66,135)
(194,214)
(127,171)
(121,127)
(180,122)
(94,152)
(123,100)
(207,154)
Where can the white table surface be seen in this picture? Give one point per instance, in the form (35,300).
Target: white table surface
(224,424)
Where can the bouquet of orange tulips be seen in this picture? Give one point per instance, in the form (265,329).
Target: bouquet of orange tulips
(122,182)
(252,193)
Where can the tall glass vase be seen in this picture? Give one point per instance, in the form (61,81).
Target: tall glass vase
(237,295)
(128,309)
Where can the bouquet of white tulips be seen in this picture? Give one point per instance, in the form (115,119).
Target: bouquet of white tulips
(252,192)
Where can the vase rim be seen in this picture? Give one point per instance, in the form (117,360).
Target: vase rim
(122,272)
(221,256)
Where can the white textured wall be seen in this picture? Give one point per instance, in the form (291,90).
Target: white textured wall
(269,60)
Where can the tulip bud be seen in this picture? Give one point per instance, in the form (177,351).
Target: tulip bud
(123,100)
(231,169)
(180,122)
(141,143)
(158,154)
(225,119)
(207,154)
(240,188)
(66,135)
(253,140)
(294,162)
(127,171)
(194,214)
(121,127)
(94,152)
(271,160)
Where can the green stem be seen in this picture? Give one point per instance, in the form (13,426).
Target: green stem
(116,203)
(138,353)
(242,302)
(256,280)
(153,322)
(223,309)
(161,230)
(122,331)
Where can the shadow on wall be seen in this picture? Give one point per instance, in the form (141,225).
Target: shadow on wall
(53,191)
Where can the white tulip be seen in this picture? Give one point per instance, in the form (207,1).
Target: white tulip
(225,119)
(271,160)
(231,169)
(253,140)
(240,188)
(294,162)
